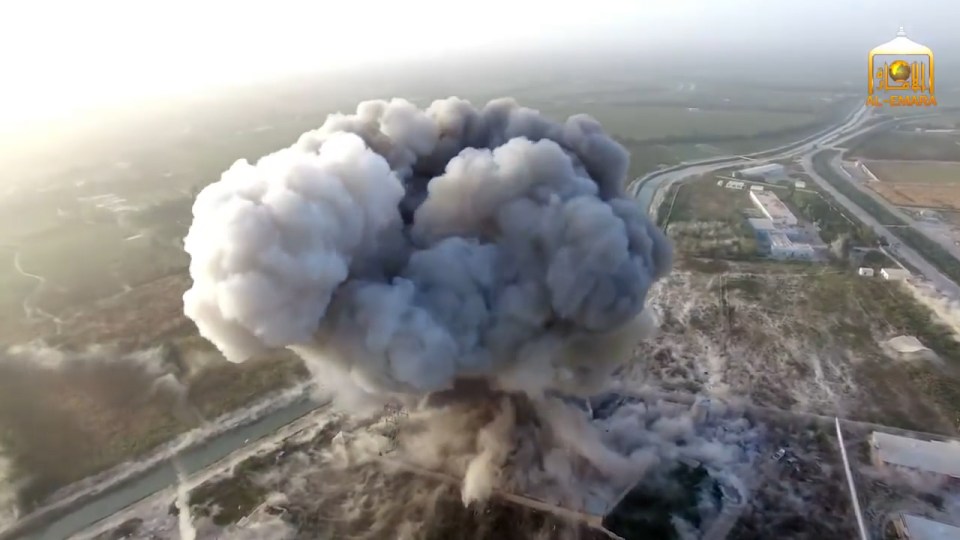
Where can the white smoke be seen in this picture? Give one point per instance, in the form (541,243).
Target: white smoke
(946,309)
(400,250)
(185,514)
(153,362)
(9,510)
(404,476)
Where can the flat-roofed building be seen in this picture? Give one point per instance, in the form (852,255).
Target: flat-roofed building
(937,457)
(761,225)
(781,247)
(767,171)
(894,274)
(773,208)
(911,527)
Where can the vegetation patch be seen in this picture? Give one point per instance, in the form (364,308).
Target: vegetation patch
(930,250)
(907,145)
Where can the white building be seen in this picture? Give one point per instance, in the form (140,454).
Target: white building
(756,188)
(911,527)
(865,272)
(894,274)
(936,457)
(800,184)
(734,184)
(773,208)
(782,247)
(767,171)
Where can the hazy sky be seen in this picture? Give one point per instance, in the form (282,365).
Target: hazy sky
(59,55)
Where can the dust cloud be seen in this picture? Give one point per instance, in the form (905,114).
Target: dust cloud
(470,264)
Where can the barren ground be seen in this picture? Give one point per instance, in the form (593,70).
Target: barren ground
(912,183)
(802,338)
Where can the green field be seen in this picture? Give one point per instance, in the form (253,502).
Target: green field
(907,145)
(832,220)
(656,122)
(930,250)
(703,200)
(87,261)
(914,172)
(706,220)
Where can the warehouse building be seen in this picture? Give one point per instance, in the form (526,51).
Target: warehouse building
(767,172)
(911,527)
(936,457)
(773,208)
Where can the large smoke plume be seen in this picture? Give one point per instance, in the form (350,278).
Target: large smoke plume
(400,250)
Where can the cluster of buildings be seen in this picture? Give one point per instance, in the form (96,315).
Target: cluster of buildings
(778,229)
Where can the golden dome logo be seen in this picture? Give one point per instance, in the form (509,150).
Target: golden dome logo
(900,74)
(899,71)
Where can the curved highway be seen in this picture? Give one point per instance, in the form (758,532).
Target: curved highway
(69,521)
(645,188)
(649,189)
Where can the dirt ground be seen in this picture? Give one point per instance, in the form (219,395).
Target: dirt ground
(911,183)
(919,195)
(805,339)
(913,172)
(808,479)
(885,491)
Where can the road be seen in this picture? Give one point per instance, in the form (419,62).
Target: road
(944,285)
(155,474)
(317,414)
(945,240)
(650,189)
(646,190)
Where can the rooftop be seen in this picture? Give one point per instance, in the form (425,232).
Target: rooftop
(762,169)
(921,528)
(778,239)
(930,456)
(772,206)
(761,224)
(895,273)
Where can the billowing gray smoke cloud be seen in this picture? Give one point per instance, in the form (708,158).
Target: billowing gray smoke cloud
(403,249)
